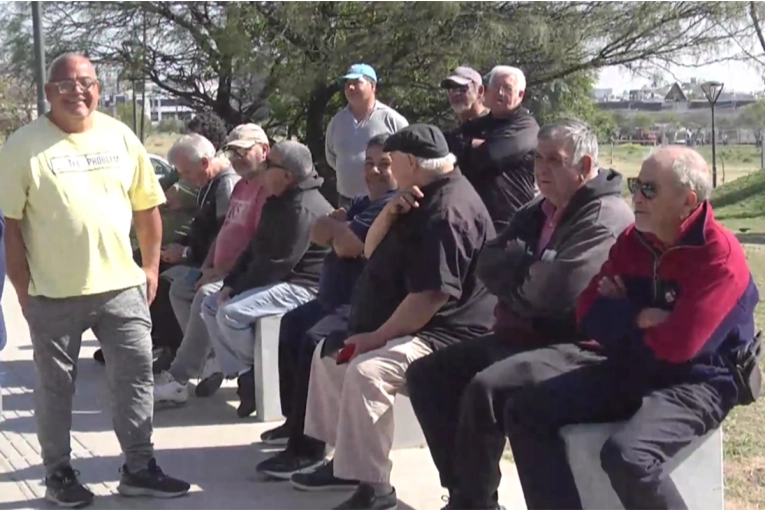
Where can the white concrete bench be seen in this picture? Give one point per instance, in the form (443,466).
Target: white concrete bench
(697,473)
(268,405)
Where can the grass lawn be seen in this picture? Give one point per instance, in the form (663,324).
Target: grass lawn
(733,162)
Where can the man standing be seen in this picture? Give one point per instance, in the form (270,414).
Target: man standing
(499,147)
(465,92)
(351,129)
(73,181)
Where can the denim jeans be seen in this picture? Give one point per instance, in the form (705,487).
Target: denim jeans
(231,327)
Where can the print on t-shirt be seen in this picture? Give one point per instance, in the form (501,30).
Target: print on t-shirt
(85,162)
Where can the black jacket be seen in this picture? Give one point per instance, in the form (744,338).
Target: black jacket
(281,249)
(502,168)
(212,201)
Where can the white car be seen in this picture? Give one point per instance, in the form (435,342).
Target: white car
(161,167)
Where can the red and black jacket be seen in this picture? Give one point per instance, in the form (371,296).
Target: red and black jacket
(704,281)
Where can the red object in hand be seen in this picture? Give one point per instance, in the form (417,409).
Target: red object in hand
(344,356)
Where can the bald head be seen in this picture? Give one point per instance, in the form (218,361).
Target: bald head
(63,66)
(688,167)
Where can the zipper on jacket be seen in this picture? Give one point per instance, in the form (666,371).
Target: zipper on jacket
(657,257)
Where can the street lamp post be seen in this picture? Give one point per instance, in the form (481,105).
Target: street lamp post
(712,90)
(39,48)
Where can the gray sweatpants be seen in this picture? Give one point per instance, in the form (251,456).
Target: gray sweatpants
(122,324)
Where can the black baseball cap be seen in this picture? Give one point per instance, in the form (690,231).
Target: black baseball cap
(419,140)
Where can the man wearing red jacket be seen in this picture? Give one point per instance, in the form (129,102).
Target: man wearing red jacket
(674,301)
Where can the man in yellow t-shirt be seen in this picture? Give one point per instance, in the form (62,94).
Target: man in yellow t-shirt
(71,182)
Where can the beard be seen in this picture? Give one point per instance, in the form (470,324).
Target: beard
(460,108)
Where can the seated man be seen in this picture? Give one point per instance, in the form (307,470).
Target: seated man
(670,307)
(305,326)
(195,158)
(248,147)
(537,267)
(278,271)
(418,292)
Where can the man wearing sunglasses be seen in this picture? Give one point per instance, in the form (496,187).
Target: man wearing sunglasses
(277,272)
(72,182)
(671,307)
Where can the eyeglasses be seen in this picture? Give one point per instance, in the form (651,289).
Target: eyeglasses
(69,86)
(649,190)
(238,152)
(456,89)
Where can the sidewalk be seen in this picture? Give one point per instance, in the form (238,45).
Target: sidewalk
(204,443)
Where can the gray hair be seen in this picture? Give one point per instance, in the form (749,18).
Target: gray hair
(193,146)
(583,141)
(520,78)
(53,67)
(693,175)
(438,165)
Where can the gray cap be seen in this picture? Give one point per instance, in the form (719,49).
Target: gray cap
(462,76)
(295,158)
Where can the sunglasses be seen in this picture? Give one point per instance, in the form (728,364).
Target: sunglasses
(70,86)
(649,190)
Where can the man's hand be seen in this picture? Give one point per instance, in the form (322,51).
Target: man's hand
(209,275)
(364,342)
(339,214)
(404,201)
(612,288)
(152,281)
(651,317)
(224,295)
(172,253)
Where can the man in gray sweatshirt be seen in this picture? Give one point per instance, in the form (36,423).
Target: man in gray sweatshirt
(351,129)
(537,267)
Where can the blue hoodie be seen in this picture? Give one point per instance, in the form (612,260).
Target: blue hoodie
(3,335)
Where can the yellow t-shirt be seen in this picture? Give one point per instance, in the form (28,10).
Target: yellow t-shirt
(74,195)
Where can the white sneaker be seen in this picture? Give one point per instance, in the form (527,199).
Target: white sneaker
(168,391)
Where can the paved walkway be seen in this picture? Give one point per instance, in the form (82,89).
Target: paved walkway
(203,443)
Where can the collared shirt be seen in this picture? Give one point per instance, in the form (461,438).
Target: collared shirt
(552,217)
(346,144)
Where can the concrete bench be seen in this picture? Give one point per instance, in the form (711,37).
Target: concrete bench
(697,472)
(268,405)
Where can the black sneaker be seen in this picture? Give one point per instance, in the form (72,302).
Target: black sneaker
(453,503)
(63,489)
(209,385)
(365,499)
(246,391)
(278,436)
(285,464)
(99,356)
(323,479)
(150,482)
(162,358)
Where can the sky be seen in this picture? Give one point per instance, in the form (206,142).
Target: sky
(736,76)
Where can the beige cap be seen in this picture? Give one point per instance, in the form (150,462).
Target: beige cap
(246,135)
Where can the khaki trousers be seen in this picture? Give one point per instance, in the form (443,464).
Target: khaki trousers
(350,407)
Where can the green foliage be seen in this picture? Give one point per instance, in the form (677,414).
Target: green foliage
(124,113)
(169,125)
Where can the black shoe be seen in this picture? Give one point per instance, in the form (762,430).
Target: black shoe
(150,482)
(454,503)
(162,359)
(286,463)
(63,489)
(365,499)
(323,479)
(99,356)
(246,391)
(209,385)
(278,436)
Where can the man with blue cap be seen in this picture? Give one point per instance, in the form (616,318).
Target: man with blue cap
(351,129)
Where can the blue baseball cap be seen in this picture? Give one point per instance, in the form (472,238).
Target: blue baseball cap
(357,71)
